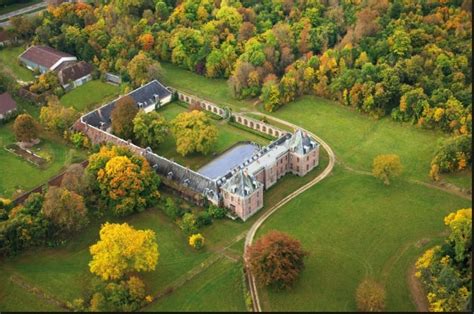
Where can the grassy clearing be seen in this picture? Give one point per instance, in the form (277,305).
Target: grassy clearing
(215,90)
(349,237)
(84,98)
(217,288)
(18,174)
(228,136)
(9,60)
(357,139)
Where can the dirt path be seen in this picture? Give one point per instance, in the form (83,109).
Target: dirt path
(416,291)
(253,230)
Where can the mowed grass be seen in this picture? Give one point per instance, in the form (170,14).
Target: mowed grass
(215,90)
(89,95)
(218,288)
(64,272)
(18,174)
(9,61)
(227,136)
(353,226)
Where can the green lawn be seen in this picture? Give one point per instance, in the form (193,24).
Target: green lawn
(228,135)
(218,288)
(18,174)
(86,97)
(9,60)
(16,6)
(215,90)
(354,226)
(351,224)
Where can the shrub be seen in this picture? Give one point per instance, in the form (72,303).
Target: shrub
(276,259)
(196,241)
(171,209)
(203,219)
(188,223)
(216,212)
(370,296)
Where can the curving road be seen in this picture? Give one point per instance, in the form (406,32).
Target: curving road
(22,11)
(253,230)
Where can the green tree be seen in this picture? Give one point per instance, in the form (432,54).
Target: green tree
(150,129)
(143,69)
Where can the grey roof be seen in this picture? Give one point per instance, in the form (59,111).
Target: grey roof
(187,177)
(301,143)
(241,184)
(144,95)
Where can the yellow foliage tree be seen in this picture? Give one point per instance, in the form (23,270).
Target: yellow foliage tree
(194,132)
(121,250)
(196,241)
(386,166)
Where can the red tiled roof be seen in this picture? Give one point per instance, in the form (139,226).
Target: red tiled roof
(44,55)
(74,71)
(6,103)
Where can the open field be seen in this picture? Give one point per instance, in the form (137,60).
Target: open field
(92,94)
(351,223)
(215,90)
(354,226)
(228,136)
(9,60)
(215,289)
(18,174)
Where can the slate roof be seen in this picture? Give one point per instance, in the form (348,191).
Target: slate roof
(241,184)
(184,176)
(144,94)
(44,55)
(7,103)
(300,143)
(74,71)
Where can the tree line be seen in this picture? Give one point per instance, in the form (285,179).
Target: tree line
(409,60)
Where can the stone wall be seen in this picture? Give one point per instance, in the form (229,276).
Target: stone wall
(254,124)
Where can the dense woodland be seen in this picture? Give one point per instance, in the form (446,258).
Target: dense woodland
(410,60)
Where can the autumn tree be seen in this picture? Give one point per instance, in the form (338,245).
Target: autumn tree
(57,117)
(386,167)
(370,296)
(270,94)
(122,250)
(26,128)
(122,117)
(196,241)
(276,259)
(125,181)
(446,270)
(65,209)
(143,69)
(194,132)
(150,129)
(76,179)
